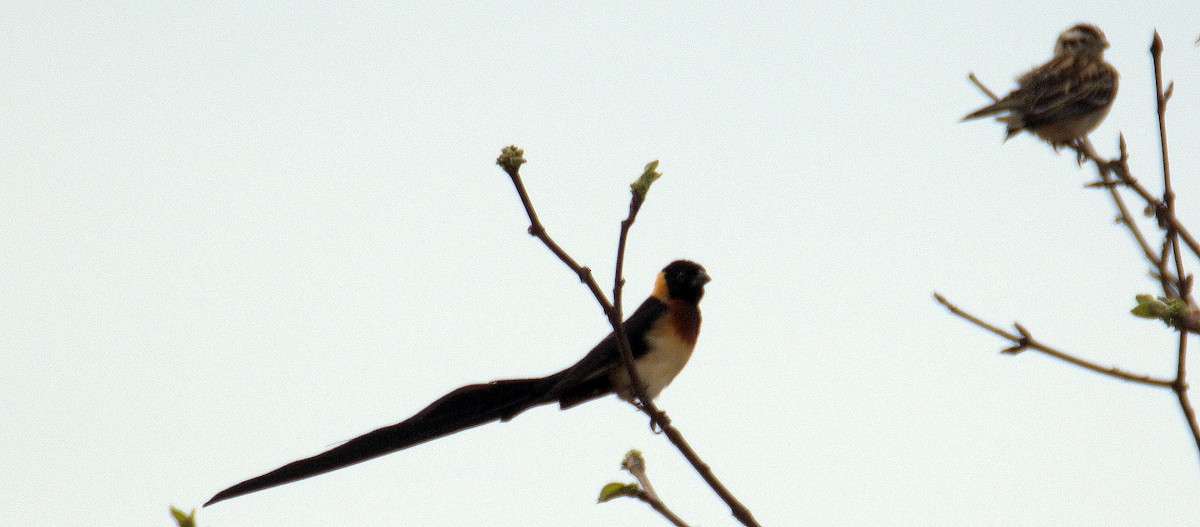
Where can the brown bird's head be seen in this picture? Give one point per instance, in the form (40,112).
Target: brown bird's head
(1082,40)
(681,280)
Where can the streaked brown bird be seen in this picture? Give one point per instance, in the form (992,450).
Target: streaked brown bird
(1064,99)
(662,334)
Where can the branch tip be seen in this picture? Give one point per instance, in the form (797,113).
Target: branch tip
(979,84)
(648,177)
(1013,350)
(511,158)
(1024,332)
(1176,308)
(1103,184)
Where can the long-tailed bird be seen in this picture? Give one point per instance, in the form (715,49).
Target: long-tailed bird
(662,333)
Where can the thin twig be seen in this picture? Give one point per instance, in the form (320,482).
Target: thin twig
(511,160)
(1121,169)
(1120,166)
(537,230)
(1105,173)
(658,417)
(1180,385)
(1174,284)
(1172,236)
(1026,341)
(1169,290)
(635,382)
(1156,49)
(662,509)
(635,464)
(981,87)
(736,508)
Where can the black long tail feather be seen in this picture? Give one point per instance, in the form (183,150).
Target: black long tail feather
(464,408)
(681,282)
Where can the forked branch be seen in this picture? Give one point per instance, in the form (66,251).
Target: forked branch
(1023,340)
(1167,261)
(511,159)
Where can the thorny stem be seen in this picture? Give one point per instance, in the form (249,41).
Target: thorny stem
(658,417)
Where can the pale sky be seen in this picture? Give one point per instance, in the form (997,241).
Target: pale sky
(237,235)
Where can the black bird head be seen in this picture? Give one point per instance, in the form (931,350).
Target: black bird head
(684,280)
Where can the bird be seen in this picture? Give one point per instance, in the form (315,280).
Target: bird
(1064,99)
(662,333)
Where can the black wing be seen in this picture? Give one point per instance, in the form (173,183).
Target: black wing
(589,378)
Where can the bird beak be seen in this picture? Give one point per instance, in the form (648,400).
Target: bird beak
(701,279)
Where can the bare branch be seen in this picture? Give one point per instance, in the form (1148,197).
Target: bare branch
(982,88)
(635,464)
(1126,218)
(637,192)
(1120,168)
(1161,96)
(1026,341)
(658,417)
(661,509)
(1180,385)
(1176,284)
(511,159)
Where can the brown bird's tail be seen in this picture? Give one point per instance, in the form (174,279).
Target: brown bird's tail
(1014,122)
(466,407)
(991,109)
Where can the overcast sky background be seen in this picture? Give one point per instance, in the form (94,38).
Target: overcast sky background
(235,236)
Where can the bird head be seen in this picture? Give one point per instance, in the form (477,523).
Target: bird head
(1081,40)
(682,280)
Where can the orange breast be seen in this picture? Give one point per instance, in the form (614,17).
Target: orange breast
(685,320)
